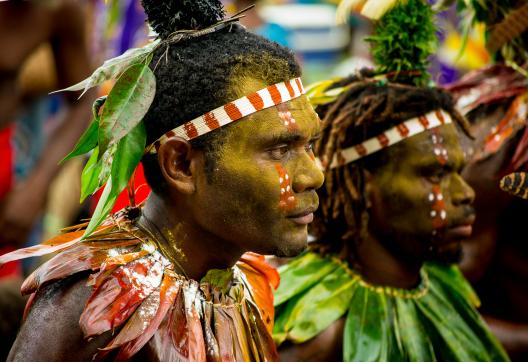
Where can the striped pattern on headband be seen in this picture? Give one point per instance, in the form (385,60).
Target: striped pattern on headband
(390,137)
(268,97)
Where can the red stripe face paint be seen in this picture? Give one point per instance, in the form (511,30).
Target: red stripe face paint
(438,209)
(287,199)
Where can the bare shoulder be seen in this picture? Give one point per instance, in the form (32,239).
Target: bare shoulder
(51,331)
(327,346)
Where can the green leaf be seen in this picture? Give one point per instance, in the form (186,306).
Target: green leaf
(300,274)
(88,140)
(322,305)
(219,278)
(105,204)
(90,175)
(127,156)
(462,344)
(86,143)
(126,104)
(403,40)
(452,278)
(282,316)
(113,68)
(123,162)
(446,283)
(366,335)
(413,336)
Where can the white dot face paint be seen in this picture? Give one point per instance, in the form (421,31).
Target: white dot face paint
(443,214)
(438,208)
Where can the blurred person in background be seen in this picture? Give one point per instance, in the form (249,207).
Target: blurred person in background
(51,36)
(26,26)
(495,101)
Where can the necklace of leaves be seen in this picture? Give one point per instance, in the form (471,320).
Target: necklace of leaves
(116,137)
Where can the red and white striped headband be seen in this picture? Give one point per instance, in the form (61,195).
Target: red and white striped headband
(268,97)
(390,137)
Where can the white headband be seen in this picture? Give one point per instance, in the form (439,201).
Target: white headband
(268,97)
(390,137)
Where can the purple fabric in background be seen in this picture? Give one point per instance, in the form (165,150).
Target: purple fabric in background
(133,21)
(441,72)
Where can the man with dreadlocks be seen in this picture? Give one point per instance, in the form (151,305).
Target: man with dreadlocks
(495,101)
(228,136)
(377,284)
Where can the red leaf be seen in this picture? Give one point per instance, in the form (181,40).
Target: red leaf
(260,276)
(119,294)
(71,261)
(169,289)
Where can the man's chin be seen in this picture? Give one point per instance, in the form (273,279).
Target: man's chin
(290,248)
(449,253)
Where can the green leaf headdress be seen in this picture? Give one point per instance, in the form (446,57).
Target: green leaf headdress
(116,137)
(403,39)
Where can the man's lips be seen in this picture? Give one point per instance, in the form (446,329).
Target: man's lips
(303,217)
(462,230)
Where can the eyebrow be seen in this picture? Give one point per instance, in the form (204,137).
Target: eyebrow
(450,165)
(290,137)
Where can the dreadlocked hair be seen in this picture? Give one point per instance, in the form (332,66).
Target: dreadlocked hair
(198,75)
(366,109)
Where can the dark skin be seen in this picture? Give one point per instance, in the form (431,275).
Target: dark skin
(495,256)
(204,222)
(399,236)
(24,26)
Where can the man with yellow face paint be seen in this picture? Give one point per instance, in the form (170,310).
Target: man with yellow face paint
(378,284)
(228,136)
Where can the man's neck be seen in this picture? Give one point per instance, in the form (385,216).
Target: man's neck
(379,266)
(193,250)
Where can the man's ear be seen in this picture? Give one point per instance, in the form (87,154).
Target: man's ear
(174,157)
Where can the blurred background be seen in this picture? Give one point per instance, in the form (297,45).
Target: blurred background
(48,45)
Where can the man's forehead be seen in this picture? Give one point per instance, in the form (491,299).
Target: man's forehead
(421,148)
(268,122)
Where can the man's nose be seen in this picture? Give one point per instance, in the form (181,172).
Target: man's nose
(308,176)
(463,194)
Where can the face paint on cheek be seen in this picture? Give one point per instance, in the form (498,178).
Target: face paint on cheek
(286,117)
(287,199)
(438,209)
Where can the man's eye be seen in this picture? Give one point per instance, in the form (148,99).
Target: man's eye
(436,177)
(278,153)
